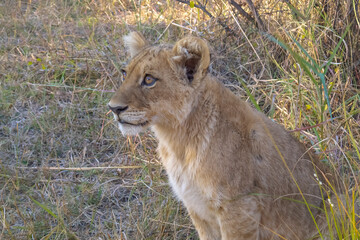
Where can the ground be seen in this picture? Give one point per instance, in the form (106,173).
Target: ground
(66,172)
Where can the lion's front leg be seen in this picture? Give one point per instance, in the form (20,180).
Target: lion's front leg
(240,219)
(205,229)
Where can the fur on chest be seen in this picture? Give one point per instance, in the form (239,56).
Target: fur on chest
(183,173)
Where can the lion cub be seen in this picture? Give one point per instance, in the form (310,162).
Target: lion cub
(239,174)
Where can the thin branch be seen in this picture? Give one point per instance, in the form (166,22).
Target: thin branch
(67,86)
(242,31)
(296,13)
(242,11)
(202,7)
(157,40)
(79,168)
(260,23)
(313,126)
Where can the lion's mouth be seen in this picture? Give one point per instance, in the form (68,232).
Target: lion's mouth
(133,124)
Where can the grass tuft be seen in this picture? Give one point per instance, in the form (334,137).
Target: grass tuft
(65,170)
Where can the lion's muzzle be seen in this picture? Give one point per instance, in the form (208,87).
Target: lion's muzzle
(117,109)
(130,121)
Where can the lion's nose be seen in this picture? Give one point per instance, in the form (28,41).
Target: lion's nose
(118,109)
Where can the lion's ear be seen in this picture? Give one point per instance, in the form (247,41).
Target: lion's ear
(193,55)
(134,43)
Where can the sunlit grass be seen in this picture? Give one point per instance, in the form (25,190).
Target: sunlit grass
(59,149)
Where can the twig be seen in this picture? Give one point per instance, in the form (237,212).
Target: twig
(178,25)
(66,86)
(313,126)
(242,11)
(260,23)
(202,7)
(242,31)
(164,31)
(78,168)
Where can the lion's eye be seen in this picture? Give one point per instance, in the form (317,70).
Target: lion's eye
(123,75)
(149,81)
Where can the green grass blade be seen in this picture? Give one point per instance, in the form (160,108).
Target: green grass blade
(44,207)
(306,65)
(303,63)
(295,11)
(326,67)
(322,79)
(315,66)
(252,99)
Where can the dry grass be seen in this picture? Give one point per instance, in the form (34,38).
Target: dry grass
(65,170)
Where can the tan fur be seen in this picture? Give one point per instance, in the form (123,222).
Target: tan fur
(232,167)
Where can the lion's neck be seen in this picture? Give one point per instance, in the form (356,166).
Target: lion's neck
(187,139)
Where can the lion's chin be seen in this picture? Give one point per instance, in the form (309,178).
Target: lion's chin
(131,130)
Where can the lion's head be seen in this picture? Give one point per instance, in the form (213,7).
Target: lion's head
(160,84)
